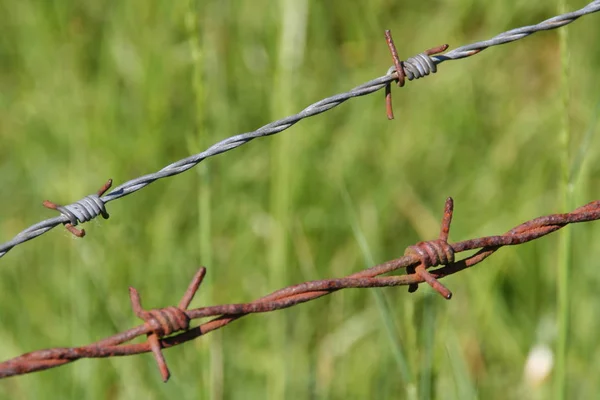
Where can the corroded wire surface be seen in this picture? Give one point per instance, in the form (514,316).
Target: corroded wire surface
(415,67)
(175,320)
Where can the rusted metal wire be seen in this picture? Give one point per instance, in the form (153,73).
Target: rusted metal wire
(160,323)
(415,67)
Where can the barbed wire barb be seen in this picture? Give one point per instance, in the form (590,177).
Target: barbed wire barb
(159,324)
(84,210)
(165,321)
(413,68)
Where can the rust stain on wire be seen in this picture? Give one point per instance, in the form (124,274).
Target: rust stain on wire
(169,326)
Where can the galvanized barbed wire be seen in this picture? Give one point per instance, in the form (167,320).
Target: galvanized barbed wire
(414,68)
(160,323)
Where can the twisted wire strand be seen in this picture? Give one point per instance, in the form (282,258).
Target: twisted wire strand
(414,68)
(160,323)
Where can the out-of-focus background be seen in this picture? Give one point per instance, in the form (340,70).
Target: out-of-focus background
(92,90)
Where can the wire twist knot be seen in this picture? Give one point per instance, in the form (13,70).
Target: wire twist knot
(165,321)
(415,67)
(432,253)
(83,210)
(162,322)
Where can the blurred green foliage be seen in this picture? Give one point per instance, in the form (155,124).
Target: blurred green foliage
(92,90)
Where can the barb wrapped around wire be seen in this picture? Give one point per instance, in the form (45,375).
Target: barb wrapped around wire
(159,324)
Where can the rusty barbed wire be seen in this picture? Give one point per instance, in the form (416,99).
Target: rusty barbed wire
(415,67)
(160,323)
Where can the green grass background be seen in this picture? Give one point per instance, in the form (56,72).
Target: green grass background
(92,90)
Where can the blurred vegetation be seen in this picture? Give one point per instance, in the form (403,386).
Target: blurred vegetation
(92,90)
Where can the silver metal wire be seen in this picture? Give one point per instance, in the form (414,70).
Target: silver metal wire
(419,66)
(415,67)
(83,210)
